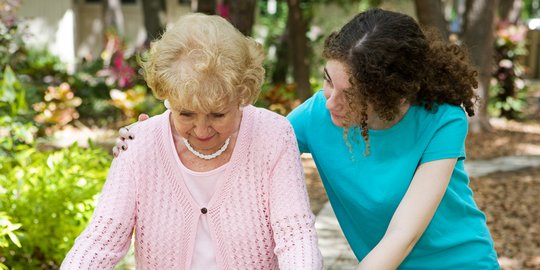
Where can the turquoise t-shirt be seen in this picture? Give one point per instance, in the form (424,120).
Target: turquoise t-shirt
(364,191)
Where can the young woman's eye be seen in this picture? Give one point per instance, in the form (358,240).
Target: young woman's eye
(326,76)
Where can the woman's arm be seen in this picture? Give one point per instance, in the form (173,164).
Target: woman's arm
(108,236)
(291,217)
(412,216)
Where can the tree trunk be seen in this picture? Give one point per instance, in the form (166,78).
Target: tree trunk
(281,68)
(153,11)
(478,36)
(242,15)
(204,6)
(430,13)
(510,10)
(299,48)
(113,17)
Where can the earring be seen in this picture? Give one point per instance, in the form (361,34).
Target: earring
(167,104)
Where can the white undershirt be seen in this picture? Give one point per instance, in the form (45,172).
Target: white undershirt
(202,186)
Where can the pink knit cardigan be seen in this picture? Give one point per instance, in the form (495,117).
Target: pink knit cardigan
(259,217)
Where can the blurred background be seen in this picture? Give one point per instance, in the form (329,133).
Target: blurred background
(69,79)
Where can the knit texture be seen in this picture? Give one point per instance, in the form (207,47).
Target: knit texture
(259,217)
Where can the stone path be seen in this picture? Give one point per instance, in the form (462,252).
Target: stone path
(335,249)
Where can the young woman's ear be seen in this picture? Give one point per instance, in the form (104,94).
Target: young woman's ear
(402,101)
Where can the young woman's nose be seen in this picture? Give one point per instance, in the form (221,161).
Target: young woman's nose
(334,102)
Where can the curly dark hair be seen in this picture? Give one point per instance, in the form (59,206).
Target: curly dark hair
(391,58)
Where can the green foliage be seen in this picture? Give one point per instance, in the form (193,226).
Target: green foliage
(7,235)
(16,131)
(52,194)
(6,231)
(530,9)
(12,95)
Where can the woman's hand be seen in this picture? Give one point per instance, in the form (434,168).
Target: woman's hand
(124,135)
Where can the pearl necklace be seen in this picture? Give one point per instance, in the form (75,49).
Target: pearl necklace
(210,156)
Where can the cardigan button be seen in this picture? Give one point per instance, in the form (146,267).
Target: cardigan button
(204,210)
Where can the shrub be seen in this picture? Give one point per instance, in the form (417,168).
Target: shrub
(59,106)
(52,195)
(508,91)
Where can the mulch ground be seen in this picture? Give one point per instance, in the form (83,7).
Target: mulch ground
(510,200)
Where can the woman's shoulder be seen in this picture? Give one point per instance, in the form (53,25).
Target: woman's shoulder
(269,128)
(316,103)
(269,119)
(444,112)
(313,109)
(451,113)
(269,133)
(450,109)
(442,118)
(150,124)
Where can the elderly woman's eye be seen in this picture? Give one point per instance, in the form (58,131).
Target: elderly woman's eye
(186,114)
(218,115)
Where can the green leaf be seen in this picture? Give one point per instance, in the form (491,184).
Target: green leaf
(14,239)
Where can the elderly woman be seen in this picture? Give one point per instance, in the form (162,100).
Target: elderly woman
(212,183)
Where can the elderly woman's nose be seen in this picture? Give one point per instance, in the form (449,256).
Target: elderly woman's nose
(203,129)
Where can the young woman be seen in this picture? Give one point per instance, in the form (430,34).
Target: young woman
(388,137)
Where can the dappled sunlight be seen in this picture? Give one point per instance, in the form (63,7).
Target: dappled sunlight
(514,264)
(512,125)
(501,141)
(528,148)
(509,138)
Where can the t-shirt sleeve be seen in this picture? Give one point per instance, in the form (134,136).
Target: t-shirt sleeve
(448,141)
(300,120)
